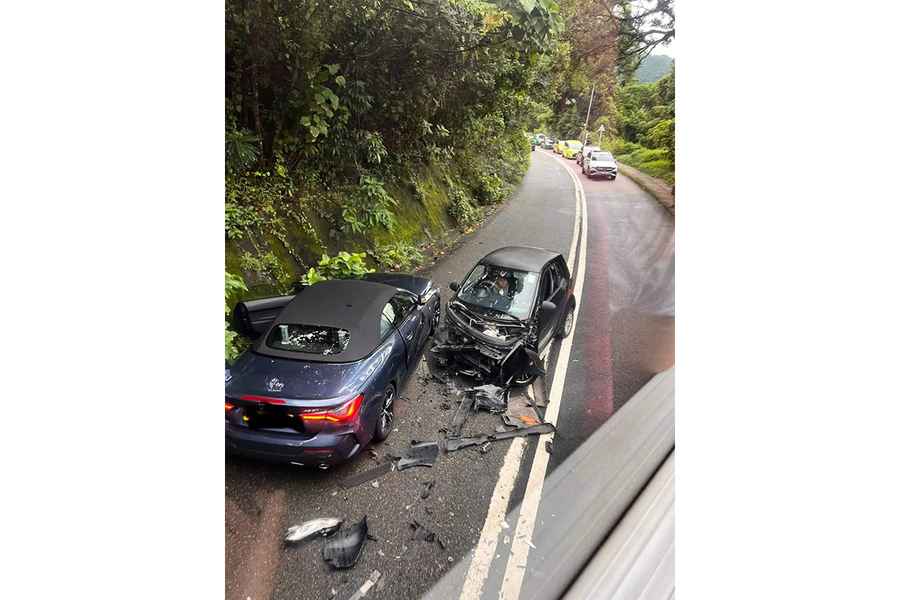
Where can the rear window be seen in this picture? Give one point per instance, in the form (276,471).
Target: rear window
(309,339)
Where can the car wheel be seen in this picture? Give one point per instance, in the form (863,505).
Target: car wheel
(436,318)
(568,323)
(523,379)
(386,416)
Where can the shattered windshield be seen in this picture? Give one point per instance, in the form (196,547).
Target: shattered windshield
(506,290)
(310,339)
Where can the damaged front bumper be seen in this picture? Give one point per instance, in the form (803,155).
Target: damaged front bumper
(469,352)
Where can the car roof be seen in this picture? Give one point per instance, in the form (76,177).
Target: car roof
(522,258)
(350,304)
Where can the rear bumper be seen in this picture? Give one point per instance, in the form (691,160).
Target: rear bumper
(321,450)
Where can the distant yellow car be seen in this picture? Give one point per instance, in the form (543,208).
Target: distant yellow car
(557,146)
(570,148)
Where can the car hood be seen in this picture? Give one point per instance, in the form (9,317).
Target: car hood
(254,373)
(602,163)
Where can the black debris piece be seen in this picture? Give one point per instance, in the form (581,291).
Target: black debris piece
(423,454)
(484,447)
(343,549)
(426,489)
(367,476)
(459,417)
(421,533)
(490,397)
(460,443)
(549,446)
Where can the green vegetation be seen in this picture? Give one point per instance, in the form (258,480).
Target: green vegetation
(358,130)
(653,68)
(342,266)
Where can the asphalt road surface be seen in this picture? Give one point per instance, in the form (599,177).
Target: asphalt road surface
(624,335)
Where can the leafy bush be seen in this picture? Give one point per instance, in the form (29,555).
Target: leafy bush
(233,283)
(398,255)
(265,266)
(462,210)
(369,207)
(489,188)
(343,265)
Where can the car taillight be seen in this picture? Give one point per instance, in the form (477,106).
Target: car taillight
(342,414)
(228,406)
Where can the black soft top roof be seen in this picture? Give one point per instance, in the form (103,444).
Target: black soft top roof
(349,304)
(522,258)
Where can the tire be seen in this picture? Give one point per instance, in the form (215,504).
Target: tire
(523,380)
(565,328)
(436,318)
(386,417)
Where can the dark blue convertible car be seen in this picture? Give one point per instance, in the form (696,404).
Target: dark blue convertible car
(320,380)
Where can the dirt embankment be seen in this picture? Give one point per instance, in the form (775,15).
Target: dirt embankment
(659,189)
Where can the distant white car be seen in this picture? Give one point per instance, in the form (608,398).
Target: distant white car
(600,164)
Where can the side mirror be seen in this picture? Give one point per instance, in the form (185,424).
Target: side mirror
(547,306)
(454,286)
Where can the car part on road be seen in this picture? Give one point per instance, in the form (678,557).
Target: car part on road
(367,476)
(459,417)
(423,534)
(492,398)
(366,586)
(426,489)
(325,526)
(422,454)
(342,549)
(459,444)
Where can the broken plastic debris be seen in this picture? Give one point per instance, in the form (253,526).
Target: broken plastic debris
(423,454)
(484,447)
(366,476)
(548,445)
(298,533)
(366,586)
(426,489)
(490,397)
(459,444)
(342,549)
(423,534)
(459,417)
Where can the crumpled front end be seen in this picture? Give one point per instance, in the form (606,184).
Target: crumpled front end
(488,350)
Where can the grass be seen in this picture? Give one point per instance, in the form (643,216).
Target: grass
(652,161)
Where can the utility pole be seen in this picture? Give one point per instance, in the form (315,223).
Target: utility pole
(588,118)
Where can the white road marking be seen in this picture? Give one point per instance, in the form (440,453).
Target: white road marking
(518,554)
(490,532)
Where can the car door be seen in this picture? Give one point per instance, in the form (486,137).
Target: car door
(553,288)
(409,323)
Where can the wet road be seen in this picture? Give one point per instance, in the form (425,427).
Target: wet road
(624,336)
